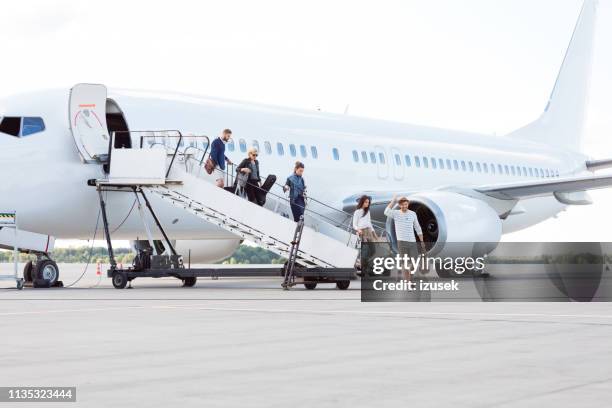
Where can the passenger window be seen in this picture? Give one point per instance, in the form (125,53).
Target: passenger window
(292,150)
(242,144)
(407,159)
(256,144)
(355,156)
(463,166)
(303,150)
(364,157)
(448,164)
(524,171)
(531,172)
(478,168)
(398,160)
(230,145)
(471,166)
(280,149)
(10,126)
(500,170)
(31,126)
(512,170)
(417,161)
(434,163)
(313,152)
(492,168)
(547,173)
(335,154)
(425,162)
(485,167)
(268,147)
(455,164)
(507,169)
(372,157)
(381,157)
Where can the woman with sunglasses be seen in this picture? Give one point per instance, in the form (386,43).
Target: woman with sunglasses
(250,167)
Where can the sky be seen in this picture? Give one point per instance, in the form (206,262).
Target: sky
(477,65)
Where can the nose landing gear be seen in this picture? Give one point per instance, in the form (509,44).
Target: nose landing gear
(44,273)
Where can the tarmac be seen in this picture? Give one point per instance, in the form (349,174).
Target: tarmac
(246,342)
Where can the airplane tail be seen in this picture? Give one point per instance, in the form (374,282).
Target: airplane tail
(563,119)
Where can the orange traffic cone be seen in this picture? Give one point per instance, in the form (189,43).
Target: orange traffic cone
(98,271)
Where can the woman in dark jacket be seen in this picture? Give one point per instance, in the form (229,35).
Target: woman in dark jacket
(250,166)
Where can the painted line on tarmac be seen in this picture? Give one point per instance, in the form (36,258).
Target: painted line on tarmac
(98,309)
(306,311)
(377,312)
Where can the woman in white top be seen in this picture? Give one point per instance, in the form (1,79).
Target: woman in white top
(362,222)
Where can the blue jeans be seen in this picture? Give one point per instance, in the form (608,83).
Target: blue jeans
(297,208)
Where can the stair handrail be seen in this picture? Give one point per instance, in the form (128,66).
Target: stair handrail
(348,217)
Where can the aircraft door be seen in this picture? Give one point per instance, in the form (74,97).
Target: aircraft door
(395,161)
(87,107)
(382,162)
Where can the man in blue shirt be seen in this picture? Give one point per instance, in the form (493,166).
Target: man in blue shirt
(297,187)
(217,154)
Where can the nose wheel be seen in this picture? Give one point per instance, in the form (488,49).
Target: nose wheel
(45,273)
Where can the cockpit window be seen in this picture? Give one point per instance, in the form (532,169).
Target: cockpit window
(18,126)
(10,126)
(31,126)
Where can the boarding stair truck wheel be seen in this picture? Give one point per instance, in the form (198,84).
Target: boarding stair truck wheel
(27,271)
(310,284)
(45,274)
(119,279)
(343,284)
(189,282)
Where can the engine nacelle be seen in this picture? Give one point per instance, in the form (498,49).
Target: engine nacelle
(456,225)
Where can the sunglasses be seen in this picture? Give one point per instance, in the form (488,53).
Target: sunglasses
(254,154)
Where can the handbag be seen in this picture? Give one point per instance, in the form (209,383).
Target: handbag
(210,165)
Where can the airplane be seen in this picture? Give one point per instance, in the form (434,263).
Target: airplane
(465,187)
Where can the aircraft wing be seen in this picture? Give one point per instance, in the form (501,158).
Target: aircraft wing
(561,188)
(537,188)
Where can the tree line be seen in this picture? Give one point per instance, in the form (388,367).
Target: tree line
(245,254)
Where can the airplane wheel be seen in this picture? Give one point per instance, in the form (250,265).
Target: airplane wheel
(48,271)
(27,271)
(119,279)
(343,285)
(189,282)
(310,285)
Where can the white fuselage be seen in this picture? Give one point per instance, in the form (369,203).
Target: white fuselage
(45,180)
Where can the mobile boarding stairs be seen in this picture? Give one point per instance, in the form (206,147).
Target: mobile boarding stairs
(319,248)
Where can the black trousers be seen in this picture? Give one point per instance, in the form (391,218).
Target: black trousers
(297,208)
(254,193)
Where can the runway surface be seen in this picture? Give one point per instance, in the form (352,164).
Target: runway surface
(236,342)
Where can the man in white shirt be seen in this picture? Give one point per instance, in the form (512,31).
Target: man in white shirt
(406,223)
